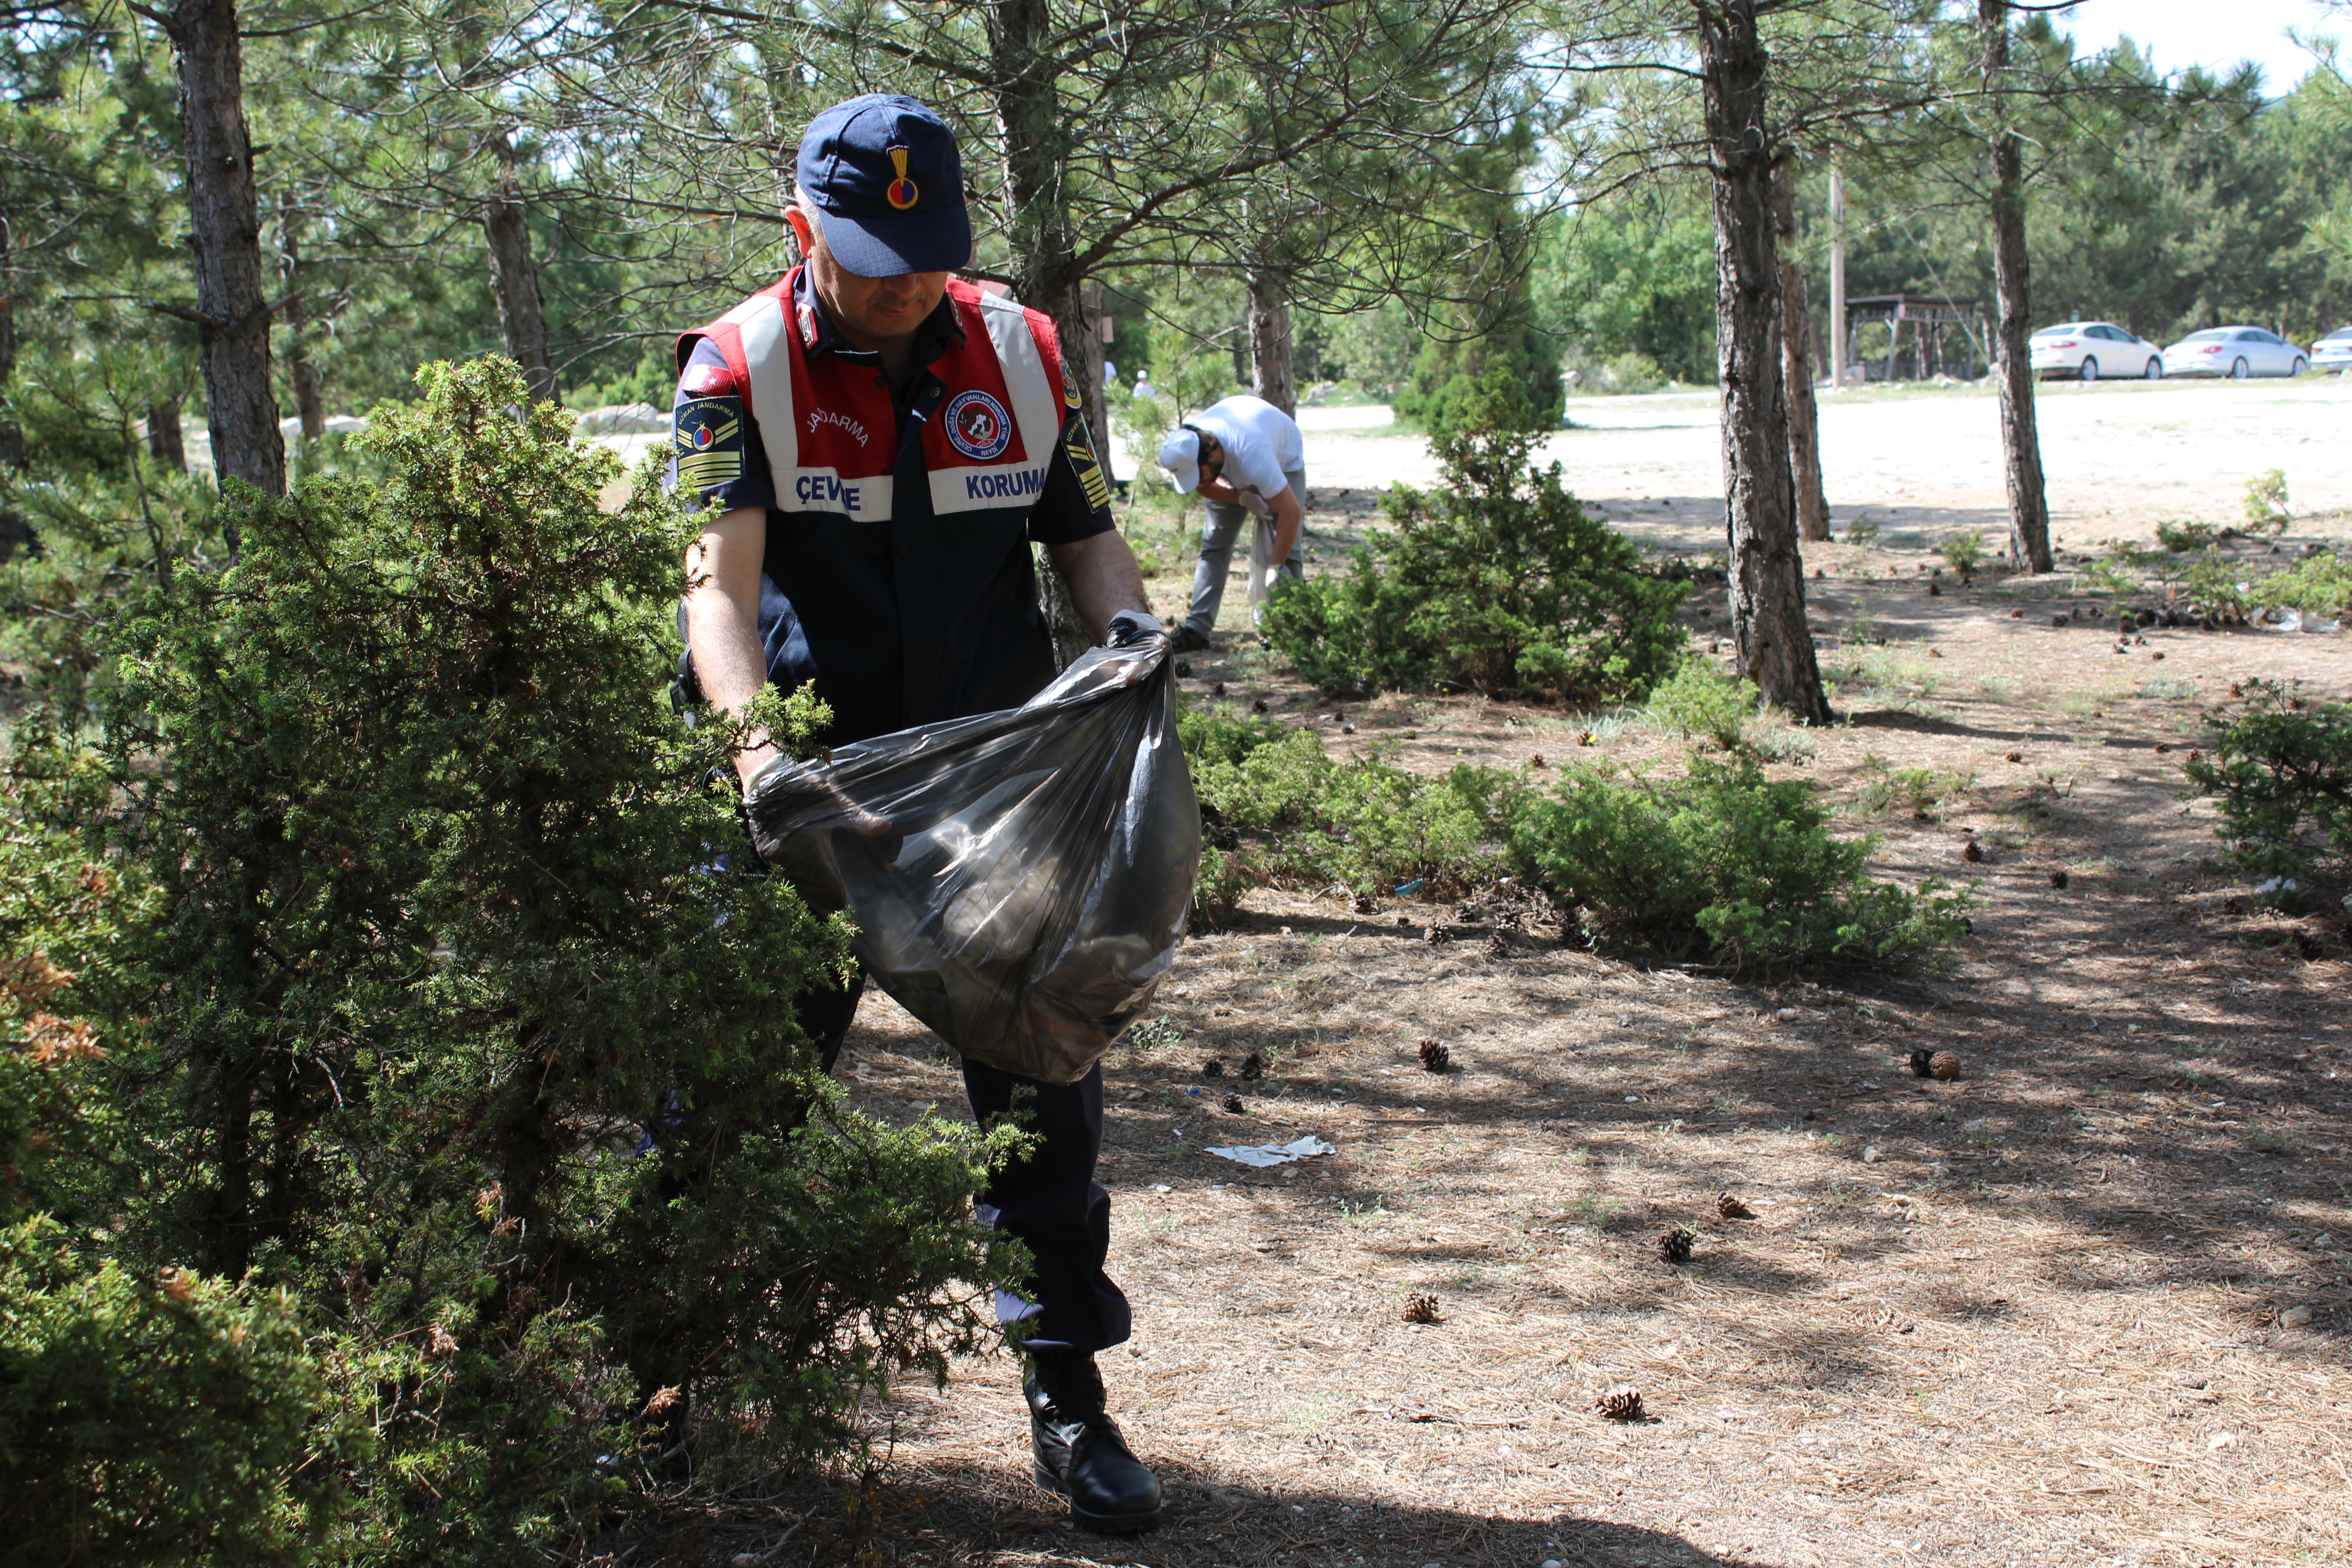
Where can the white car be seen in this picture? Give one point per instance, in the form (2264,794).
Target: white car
(2333,354)
(2085,351)
(2236,352)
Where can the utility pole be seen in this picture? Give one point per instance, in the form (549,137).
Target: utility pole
(1837,274)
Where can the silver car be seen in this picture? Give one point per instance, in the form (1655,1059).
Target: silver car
(2234,351)
(2333,354)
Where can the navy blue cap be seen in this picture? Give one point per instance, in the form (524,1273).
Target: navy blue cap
(883,176)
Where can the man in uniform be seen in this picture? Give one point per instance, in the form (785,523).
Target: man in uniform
(875,443)
(1246,458)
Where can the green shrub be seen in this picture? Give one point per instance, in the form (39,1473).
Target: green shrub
(1862,531)
(1964,552)
(160,1420)
(432,930)
(1725,861)
(2266,503)
(1277,810)
(1498,581)
(2283,769)
(2185,538)
(1700,702)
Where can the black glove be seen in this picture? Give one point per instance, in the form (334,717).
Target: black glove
(1131,626)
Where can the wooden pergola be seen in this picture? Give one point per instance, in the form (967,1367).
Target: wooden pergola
(1928,321)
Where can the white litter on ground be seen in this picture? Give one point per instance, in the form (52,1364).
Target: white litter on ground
(1264,1155)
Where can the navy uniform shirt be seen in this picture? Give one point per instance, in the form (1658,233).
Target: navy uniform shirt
(908,621)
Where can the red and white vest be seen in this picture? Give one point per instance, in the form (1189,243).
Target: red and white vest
(830,429)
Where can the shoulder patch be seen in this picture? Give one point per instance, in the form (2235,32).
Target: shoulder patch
(707,434)
(1069,385)
(1079,447)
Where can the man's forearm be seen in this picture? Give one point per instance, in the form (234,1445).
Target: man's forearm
(723,626)
(1289,516)
(1103,578)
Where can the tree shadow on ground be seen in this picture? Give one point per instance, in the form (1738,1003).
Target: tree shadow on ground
(969,1514)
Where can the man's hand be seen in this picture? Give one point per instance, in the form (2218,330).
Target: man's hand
(1131,626)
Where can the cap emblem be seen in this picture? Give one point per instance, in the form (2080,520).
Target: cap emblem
(900,192)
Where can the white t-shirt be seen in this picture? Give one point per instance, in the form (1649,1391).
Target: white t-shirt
(1262,443)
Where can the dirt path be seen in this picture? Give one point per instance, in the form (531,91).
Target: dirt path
(2086,1304)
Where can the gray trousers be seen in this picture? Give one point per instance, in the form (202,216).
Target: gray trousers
(1218,536)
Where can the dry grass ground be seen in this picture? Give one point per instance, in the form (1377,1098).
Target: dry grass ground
(2088,1303)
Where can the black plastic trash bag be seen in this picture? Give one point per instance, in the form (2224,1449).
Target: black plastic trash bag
(1019,879)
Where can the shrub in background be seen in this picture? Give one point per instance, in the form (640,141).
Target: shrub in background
(1496,581)
(1963,552)
(436,929)
(1725,861)
(1702,703)
(2283,768)
(2266,503)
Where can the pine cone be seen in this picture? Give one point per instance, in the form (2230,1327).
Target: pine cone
(2014,757)
(1621,1405)
(1585,737)
(1366,905)
(1213,1067)
(1536,761)
(2058,878)
(1421,1310)
(1435,1057)
(1183,669)
(1218,690)
(1253,1068)
(1431,935)
(1923,1063)
(1258,706)
(1496,947)
(2308,945)
(1675,1245)
(1730,1207)
(1944,1067)
(1233,1102)
(1973,853)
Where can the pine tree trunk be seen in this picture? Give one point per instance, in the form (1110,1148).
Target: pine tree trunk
(1767,578)
(514,276)
(1797,364)
(1272,363)
(166,443)
(310,404)
(1044,262)
(225,224)
(16,530)
(2021,441)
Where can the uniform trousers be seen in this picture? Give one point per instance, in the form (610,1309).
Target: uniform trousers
(1218,535)
(1050,1200)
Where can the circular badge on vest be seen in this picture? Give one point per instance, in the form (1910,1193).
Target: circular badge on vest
(978,426)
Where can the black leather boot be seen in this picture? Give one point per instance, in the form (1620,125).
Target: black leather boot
(1078,1449)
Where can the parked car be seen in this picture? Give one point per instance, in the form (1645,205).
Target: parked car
(2333,354)
(2085,351)
(2234,351)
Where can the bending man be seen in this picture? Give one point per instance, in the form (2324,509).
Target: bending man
(1246,457)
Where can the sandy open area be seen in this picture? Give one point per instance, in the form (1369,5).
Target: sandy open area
(2120,457)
